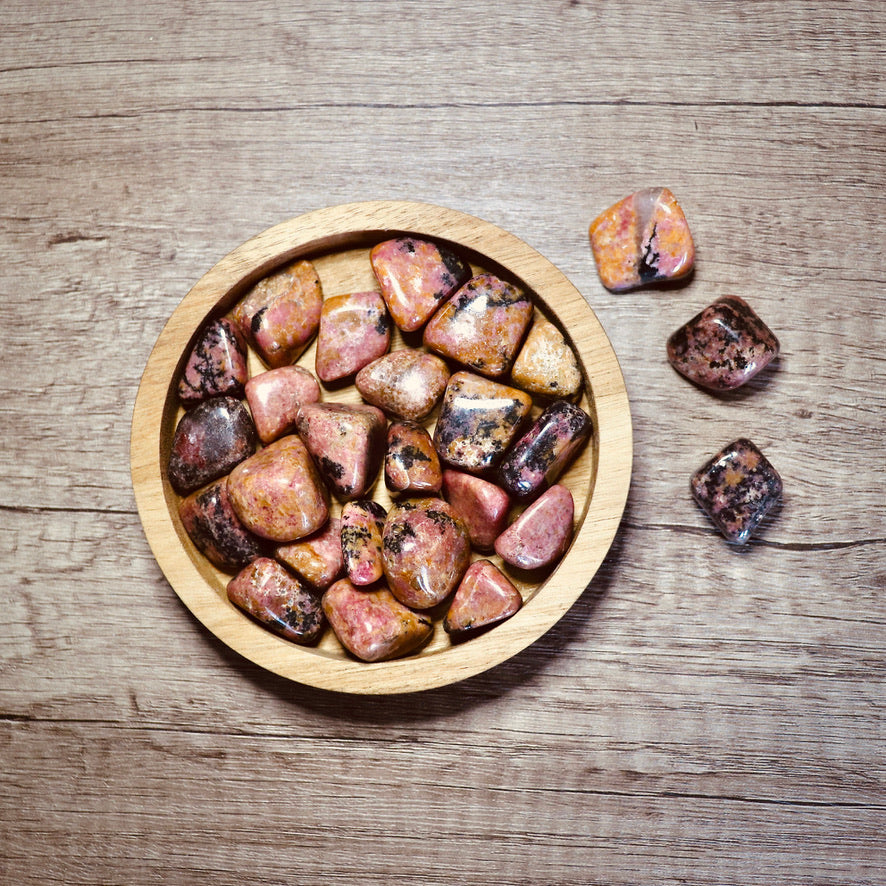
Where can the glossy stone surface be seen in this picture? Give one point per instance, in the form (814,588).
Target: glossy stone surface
(478,420)
(267,592)
(275,397)
(412,466)
(644,238)
(362,523)
(540,456)
(484,597)
(281,313)
(372,624)
(541,534)
(482,325)
(209,520)
(723,346)
(426,550)
(415,276)
(355,329)
(736,489)
(277,494)
(216,365)
(546,364)
(406,384)
(482,505)
(346,442)
(316,559)
(212,438)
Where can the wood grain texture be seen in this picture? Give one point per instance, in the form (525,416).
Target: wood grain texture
(701,715)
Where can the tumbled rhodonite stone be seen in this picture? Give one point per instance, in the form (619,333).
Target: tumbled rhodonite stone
(722,347)
(216,365)
(541,455)
(275,397)
(415,276)
(412,465)
(346,442)
(372,624)
(483,598)
(407,383)
(541,534)
(478,420)
(736,489)
(482,505)
(316,559)
(362,523)
(355,329)
(642,239)
(281,313)
(546,364)
(276,599)
(426,550)
(482,325)
(212,438)
(277,494)
(210,522)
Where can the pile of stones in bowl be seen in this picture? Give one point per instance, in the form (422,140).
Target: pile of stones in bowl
(258,461)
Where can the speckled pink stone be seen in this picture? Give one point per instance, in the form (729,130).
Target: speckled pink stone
(415,276)
(484,597)
(316,559)
(482,505)
(355,329)
(275,397)
(216,365)
(541,534)
(362,523)
(406,384)
(482,325)
(412,466)
(372,624)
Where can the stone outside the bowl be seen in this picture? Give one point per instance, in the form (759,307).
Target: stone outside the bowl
(355,329)
(736,489)
(541,534)
(275,397)
(316,559)
(216,365)
(724,346)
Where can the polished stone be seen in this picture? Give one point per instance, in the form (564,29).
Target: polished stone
(478,420)
(276,599)
(275,397)
(216,365)
(482,505)
(372,624)
(541,534)
(281,313)
(355,329)
(426,550)
(406,384)
(412,466)
(484,597)
(212,438)
(482,325)
(540,456)
(415,276)
(546,364)
(316,559)
(210,522)
(723,346)
(736,489)
(277,493)
(642,239)
(346,442)
(362,523)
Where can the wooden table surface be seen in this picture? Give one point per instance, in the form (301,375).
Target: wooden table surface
(702,714)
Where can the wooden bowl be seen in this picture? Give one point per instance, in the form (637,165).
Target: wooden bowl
(337,240)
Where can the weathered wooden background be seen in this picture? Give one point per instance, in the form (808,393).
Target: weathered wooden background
(702,715)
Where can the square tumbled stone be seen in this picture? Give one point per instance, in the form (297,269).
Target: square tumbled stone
(722,347)
(736,489)
(644,238)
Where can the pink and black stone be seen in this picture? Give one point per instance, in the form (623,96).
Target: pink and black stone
(362,524)
(412,466)
(736,489)
(216,365)
(276,599)
(722,347)
(210,440)
(538,458)
(541,534)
